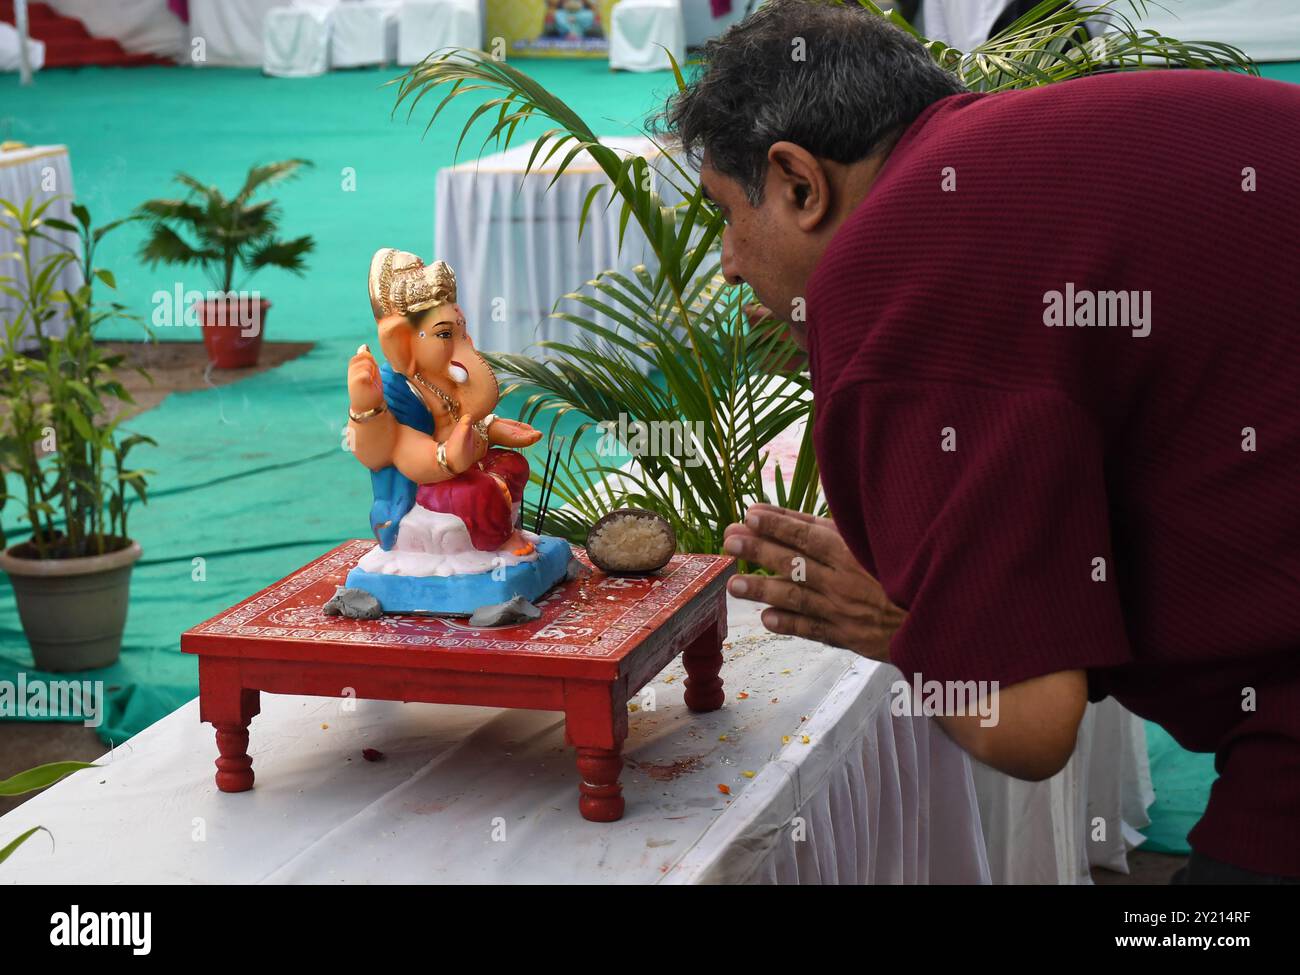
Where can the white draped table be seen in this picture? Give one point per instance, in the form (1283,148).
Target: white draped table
(484,795)
(1087,815)
(39,173)
(513,239)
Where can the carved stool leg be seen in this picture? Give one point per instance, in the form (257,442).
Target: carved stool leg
(234,767)
(595,721)
(600,797)
(703,661)
(229,707)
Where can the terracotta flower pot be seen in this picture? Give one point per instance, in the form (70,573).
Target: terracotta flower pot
(72,610)
(232,330)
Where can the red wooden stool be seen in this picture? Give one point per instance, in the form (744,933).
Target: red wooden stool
(598,642)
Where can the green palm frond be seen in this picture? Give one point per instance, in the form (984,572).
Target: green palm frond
(260,176)
(704,417)
(285,254)
(179,211)
(227,233)
(165,246)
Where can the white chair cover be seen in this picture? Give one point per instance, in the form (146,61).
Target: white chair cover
(363,32)
(231,31)
(296,40)
(639,27)
(424,26)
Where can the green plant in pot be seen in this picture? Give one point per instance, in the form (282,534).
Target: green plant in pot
(224,236)
(61,441)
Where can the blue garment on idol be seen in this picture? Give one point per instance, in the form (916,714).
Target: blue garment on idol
(394,492)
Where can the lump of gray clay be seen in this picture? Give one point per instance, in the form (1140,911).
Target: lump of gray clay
(355,604)
(515,610)
(576,570)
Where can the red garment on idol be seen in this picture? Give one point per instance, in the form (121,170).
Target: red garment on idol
(476,497)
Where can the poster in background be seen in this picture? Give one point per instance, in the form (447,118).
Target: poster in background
(551,28)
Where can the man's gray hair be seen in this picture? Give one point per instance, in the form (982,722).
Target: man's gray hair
(834,78)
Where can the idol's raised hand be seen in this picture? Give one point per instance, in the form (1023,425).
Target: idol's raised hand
(365,390)
(819,590)
(512,433)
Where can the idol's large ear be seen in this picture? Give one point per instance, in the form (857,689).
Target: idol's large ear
(396,334)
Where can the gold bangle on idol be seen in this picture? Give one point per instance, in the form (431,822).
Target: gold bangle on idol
(368,414)
(442,459)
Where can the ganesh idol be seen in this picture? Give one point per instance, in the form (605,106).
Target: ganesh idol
(447,476)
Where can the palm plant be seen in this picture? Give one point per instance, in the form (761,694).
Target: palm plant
(226,233)
(719,368)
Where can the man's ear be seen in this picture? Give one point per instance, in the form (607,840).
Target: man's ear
(396,335)
(798,181)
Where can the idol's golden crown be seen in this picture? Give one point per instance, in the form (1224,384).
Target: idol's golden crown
(400,284)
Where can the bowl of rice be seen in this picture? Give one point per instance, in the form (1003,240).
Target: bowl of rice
(631,541)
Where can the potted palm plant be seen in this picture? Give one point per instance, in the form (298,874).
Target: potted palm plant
(59,439)
(226,235)
(690,348)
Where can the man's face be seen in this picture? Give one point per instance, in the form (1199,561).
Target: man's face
(763,247)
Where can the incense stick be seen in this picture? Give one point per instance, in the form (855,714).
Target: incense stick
(548,479)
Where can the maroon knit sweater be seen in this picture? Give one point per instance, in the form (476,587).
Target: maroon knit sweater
(980,461)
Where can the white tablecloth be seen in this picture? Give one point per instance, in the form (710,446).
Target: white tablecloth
(515,251)
(467,794)
(40,172)
(1043,832)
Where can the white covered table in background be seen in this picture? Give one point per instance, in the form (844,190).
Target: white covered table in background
(516,250)
(485,795)
(39,172)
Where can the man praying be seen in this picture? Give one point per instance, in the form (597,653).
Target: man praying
(1051,334)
